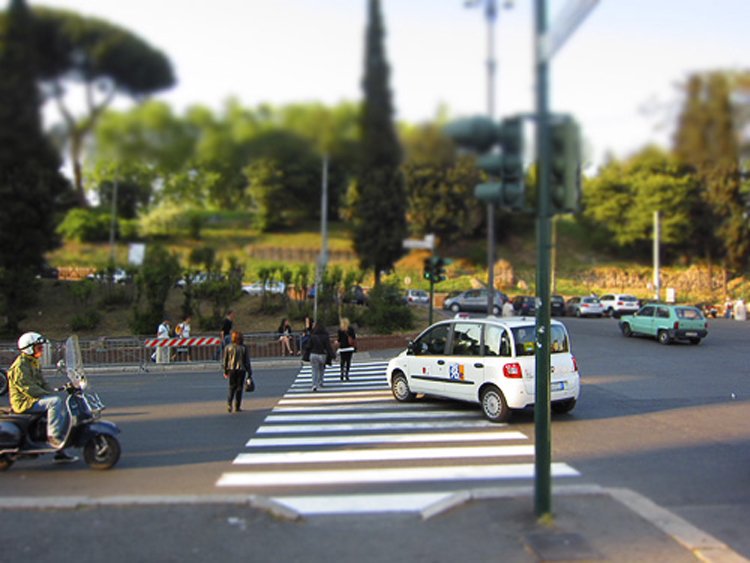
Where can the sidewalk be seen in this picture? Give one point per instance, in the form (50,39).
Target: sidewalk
(589,524)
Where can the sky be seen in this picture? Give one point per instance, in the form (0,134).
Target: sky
(617,74)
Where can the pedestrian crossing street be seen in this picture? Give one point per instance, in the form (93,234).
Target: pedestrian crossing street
(350,447)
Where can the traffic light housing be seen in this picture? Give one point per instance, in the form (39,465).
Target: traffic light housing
(565,173)
(434,269)
(428,269)
(505,162)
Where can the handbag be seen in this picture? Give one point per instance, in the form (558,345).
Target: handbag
(249,384)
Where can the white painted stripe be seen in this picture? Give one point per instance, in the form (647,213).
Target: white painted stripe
(417,437)
(387,404)
(303,417)
(387,475)
(354,427)
(361,504)
(330,387)
(350,456)
(345,395)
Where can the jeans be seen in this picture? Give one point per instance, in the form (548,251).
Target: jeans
(236,384)
(318,364)
(57,416)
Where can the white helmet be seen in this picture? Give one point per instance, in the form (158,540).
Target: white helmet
(28,340)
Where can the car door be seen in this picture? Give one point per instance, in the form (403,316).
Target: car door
(464,361)
(476,300)
(427,367)
(643,320)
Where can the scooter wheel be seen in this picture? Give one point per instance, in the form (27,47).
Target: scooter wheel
(5,462)
(101,451)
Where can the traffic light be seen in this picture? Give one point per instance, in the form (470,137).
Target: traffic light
(434,269)
(428,269)
(565,174)
(505,163)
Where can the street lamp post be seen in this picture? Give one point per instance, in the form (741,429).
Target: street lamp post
(490,14)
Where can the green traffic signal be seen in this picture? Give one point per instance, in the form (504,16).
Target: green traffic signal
(565,176)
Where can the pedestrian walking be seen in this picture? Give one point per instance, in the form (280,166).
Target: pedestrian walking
(183,331)
(163,332)
(235,362)
(347,345)
(321,354)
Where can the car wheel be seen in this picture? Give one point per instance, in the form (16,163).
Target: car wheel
(626,331)
(663,337)
(494,406)
(496,310)
(695,341)
(400,388)
(5,462)
(578,313)
(610,312)
(562,407)
(455,308)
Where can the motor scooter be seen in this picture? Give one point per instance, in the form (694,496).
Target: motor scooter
(25,435)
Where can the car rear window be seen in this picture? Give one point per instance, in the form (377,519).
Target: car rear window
(526,342)
(590,300)
(688,313)
(628,298)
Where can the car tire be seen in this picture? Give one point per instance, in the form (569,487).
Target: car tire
(626,330)
(494,406)
(610,312)
(564,406)
(456,308)
(400,388)
(496,310)
(578,313)
(663,337)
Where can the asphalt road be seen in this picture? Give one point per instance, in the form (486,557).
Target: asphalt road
(670,422)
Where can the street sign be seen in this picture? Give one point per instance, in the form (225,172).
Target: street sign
(428,243)
(569,18)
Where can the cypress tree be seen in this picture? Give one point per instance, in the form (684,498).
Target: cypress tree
(30,181)
(380,224)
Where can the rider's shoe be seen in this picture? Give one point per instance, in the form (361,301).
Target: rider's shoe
(62,457)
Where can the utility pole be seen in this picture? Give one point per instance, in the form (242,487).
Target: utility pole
(323,258)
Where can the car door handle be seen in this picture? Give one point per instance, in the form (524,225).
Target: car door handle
(479,365)
(441,362)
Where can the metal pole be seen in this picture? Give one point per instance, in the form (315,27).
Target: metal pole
(657,273)
(113,224)
(323,258)
(542,417)
(491,15)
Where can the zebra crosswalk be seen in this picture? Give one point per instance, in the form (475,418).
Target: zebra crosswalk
(350,447)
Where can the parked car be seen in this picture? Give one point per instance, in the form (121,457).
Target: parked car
(355,295)
(524,305)
(48,272)
(709,310)
(475,300)
(489,361)
(118,275)
(618,304)
(417,296)
(666,323)
(584,306)
(557,306)
(257,288)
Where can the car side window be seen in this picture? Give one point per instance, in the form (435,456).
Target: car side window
(496,341)
(662,313)
(524,341)
(466,339)
(647,311)
(433,342)
(558,340)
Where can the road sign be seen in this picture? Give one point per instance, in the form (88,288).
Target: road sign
(569,18)
(427,243)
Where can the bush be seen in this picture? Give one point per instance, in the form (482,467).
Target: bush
(387,311)
(85,225)
(88,320)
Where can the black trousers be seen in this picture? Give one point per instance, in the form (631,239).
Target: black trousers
(236,384)
(346,363)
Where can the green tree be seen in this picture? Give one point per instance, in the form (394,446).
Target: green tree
(619,203)
(380,222)
(159,273)
(440,187)
(706,145)
(31,186)
(102,58)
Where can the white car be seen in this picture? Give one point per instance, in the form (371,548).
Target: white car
(618,304)
(489,361)
(417,296)
(257,288)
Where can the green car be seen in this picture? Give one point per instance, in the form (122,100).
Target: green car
(666,323)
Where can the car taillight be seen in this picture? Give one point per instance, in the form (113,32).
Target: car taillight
(575,363)
(676,325)
(512,371)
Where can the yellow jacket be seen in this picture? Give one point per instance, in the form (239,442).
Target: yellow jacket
(26,385)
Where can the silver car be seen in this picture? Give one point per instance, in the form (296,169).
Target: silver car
(584,306)
(475,300)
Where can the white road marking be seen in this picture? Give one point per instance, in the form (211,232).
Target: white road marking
(389,415)
(416,437)
(367,426)
(398,454)
(362,504)
(257,479)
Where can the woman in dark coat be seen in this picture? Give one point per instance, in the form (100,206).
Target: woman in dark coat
(347,341)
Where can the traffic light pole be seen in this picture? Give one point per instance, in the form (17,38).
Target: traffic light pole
(542,416)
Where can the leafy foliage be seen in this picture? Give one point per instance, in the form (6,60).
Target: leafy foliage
(387,311)
(158,274)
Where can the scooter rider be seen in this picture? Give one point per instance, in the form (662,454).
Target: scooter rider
(30,393)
